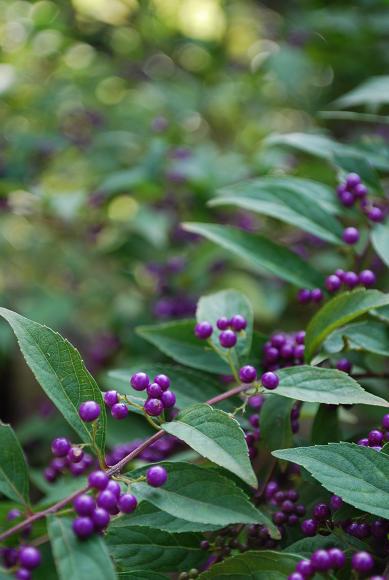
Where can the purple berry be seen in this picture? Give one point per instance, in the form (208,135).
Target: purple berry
(272,354)
(299,351)
(153,407)
(98,480)
(352,180)
(344,365)
(156,476)
(293,520)
(367,278)
(333,283)
(375,214)
(100,518)
(385,421)
(89,411)
(350,279)
(29,557)
(238,322)
(362,562)
(270,380)
(321,561)
(13,514)
(278,340)
(379,528)
(347,198)
(375,438)
(50,474)
(84,504)
(350,235)
(127,503)
(168,399)
(163,381)
(204,545)
(317,295)
(114,487)
(139,381)
(107,500)
(203,330)
(227,338)
(60,446)
(223,323)
(154,391)
(119,411)
(304,296)
(309,527)
(305,568)
(247,374)
(295,576)
(23,574)
(287,350)
(300,337)
(110,398)
(83,527)
(336,502)
(337,557)
(321,511)
(287,506)
(363,442)
(279,518)
(75,455)
(360,191)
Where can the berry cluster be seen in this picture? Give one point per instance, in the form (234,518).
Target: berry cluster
(68,458)
(248,375)
(349,279)
(23,560)
(284,350)
(159,395)
(331,559)
(229,328)
(377,437)
(94,513)
(158,451)
(351,191)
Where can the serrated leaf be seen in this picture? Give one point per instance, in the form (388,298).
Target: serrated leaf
(260,253)
(380,240)
(216,436)
(177,340)
(276,428)
(75,559)
(13,468)
(338,312)
(227,303)
(370,336)
(135,548)
(60,371)
(360,475)
(321,385)
(284,199)
(262,565)
(200,495)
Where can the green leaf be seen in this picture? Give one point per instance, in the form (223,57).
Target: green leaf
(284,199)
(380,241)
(374,91)
(216,436)
(325,426)
(306,546)
(227,303)
(142,575)
(260,253)
(136,548)
(262,565)
(338,312)
(177,340)
(13,468)
(75,559)
(201,495)
(360,475)
(321,385)
(276,428)
(367,336)
(381,313)
(60,371)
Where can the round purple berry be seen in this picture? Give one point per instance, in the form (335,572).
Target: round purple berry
(227,338)
(344,365)
(153,407)
(203,330)
(247,374)
(140,381)
(110,398)
(84,504)
(321,561)
(279,518)
(317,295)
(29,557)
(278,340)
(305,568)
(107,500)
(337,557)
(350,235)
(352,180)
(350,279)
(168,399)
(89,411)
(75,455)
(238,323)
(299,351)
(300,337)
(272,354)
(333,283)
(367,278)
(163,381)
(127,503)
(23,574)
(50,474)
(287,350)
(296,576)
(385,421)
(13,514)
(270,380)
(362,562)
(360,191)
(156,476)
(100,518)
(347,198)
(304,296)
(256,401)
(60,446)
(336,502)
(119,411)
(375,214)
(223,323)
(375,438)
(98,480)
(154,391)
(309,527)
(83,527)
(321,511)
(114,487)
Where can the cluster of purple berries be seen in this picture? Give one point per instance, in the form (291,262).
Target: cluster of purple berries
(335,281)
(377,437)
(94,513)
(229,328)
(248,375)
(332,559)
(68,458)
(284,350)
(24,560)
(289,511)
(158,451)
(159,395)
(352,190)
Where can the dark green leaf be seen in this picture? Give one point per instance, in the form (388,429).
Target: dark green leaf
(75,559)
(360,475)
(13,469)
(338,312)
(276,428)
(368,336)
(216,436)
(325,426)
(262,565)
(60,371)
(380,241)
(177,340)
(260,253)
(141,575)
